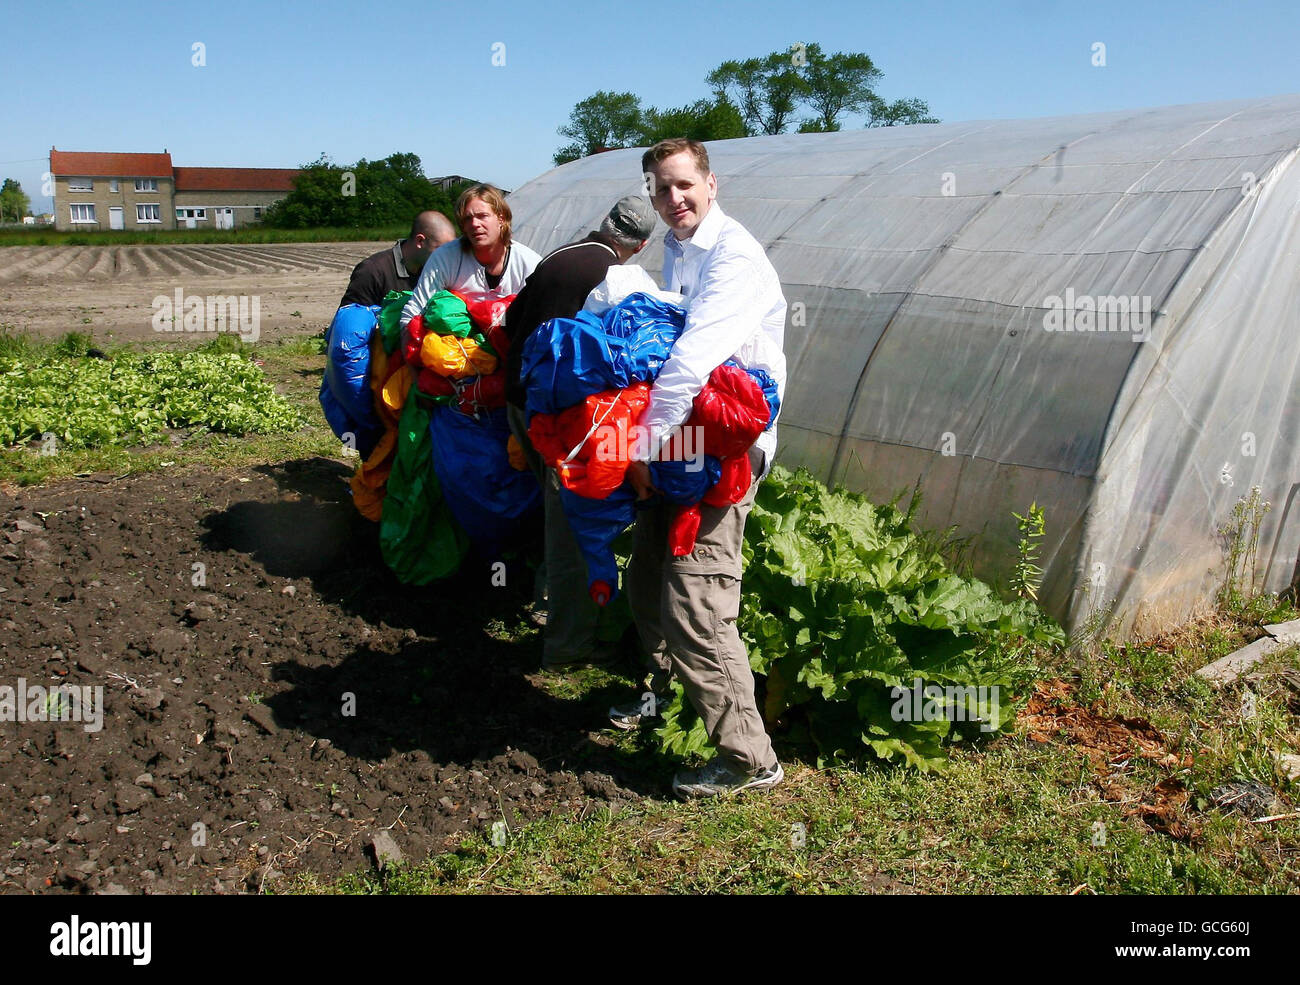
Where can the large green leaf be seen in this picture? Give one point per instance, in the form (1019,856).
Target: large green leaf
(844,609)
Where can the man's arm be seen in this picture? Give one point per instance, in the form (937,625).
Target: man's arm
(432,279)
(721,317)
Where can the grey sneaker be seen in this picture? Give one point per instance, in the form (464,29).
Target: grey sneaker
(535,611)
(717,779)
(644,709)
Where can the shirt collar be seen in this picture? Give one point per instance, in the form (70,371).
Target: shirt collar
(594,237)
(706,233)
(397,259)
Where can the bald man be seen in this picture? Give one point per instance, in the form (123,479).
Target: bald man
(399,268)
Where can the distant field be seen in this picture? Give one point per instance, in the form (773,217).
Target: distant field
(108,291)
(44,236)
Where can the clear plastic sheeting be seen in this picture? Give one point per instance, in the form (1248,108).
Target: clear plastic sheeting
(1098,313)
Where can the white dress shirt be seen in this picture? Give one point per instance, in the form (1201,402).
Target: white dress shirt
(451,268)
(734,310)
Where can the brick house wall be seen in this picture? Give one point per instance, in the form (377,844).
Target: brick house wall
(112,180)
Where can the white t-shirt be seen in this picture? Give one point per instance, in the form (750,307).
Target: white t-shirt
(452,268)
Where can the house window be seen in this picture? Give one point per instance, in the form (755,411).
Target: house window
(257,212)
(147,213)
(80,185)
(113,185)
(83,213)
(191,213)
(146,184)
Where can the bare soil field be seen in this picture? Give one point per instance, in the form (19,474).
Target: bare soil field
(267,718)
(272,718)
(109,290)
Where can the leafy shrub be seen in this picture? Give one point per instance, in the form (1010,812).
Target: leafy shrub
(133,398)
(223,343)
(842,602)
(73,345)
(15,345)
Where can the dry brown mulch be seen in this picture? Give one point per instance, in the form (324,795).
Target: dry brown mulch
(1110,742)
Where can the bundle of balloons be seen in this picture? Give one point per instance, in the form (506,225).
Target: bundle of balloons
(425,410)
(588,382)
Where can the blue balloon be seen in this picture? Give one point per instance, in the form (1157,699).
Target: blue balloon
(490,499)
(596,524)
(345,395)
(568,359)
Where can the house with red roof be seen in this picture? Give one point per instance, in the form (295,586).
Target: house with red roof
(94,190)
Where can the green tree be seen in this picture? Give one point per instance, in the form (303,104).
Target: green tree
(604,121)
(767,90)
(837,84)
(750,96)
(705,119)
(739,83)
(900,112)
(369,193)
(14,203)
(770,89)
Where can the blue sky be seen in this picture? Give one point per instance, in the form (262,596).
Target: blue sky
(283,82)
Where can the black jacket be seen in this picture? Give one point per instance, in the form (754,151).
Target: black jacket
(374,277)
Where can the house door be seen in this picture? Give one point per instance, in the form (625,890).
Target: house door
(225,218)
(189,219)
(115,217)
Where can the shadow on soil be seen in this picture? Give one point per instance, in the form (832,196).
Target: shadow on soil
(456,686)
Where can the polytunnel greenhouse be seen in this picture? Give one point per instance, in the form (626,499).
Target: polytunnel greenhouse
(1098,313)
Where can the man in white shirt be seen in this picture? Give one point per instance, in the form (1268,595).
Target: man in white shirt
(686,607)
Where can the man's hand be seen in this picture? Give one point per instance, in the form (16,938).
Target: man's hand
(638,473)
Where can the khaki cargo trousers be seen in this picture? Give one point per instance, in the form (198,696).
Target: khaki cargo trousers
(685,610)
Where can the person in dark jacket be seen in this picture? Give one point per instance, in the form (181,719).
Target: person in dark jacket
(398,268)
(558,288)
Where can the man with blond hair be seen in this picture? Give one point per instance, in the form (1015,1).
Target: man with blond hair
(484,262)
(686,607)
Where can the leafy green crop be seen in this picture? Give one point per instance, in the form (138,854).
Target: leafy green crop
(132,398)
(842,603)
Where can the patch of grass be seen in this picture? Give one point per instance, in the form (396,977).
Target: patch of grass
(224,342)
(15,344)
(1013,816)
(26,467)
(1265,610)
(73,345)
(302,345)
(1255,723)
(1012,820)
(582,682)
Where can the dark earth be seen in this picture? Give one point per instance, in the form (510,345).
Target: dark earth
(228,760)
